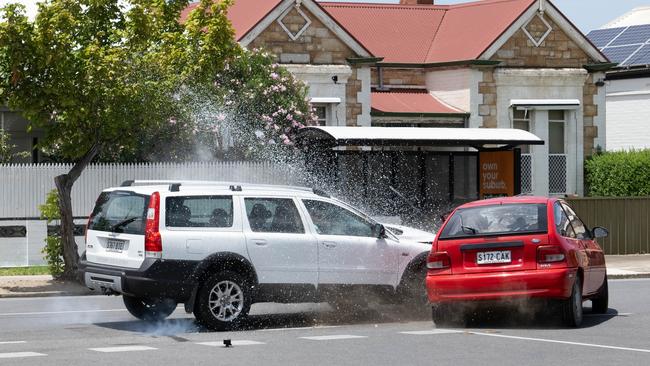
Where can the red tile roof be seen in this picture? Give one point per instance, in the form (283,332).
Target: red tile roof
(243,14)
(410,101)
(404,33)
(428,33)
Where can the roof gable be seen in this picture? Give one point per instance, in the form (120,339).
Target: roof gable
(546,9)
(298,36)
(314,8)
(542,43)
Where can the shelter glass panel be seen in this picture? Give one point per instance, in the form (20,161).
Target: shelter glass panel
(465,177)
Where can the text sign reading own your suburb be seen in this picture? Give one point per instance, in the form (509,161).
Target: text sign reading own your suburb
(496,173)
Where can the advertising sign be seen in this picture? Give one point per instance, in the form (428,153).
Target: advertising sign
(496,174)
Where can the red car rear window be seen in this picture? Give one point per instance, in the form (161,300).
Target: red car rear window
(492,220)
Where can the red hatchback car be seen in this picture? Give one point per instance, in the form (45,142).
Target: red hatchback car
(511,248)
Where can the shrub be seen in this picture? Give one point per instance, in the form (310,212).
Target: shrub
(619,174)
(5,148)
(53,249)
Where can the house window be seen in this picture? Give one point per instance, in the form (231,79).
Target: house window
(556,132)
(521,121)
(557,159)
(322,112)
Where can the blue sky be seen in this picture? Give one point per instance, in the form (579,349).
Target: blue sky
(586,14)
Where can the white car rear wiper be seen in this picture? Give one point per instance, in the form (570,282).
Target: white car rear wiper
(123,222)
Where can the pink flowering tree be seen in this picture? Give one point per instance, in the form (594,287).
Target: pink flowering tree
(259,108)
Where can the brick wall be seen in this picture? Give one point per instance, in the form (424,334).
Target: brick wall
(556,51)
(589,112)
(320,44)
(353,108)
(399,77)
(488,110)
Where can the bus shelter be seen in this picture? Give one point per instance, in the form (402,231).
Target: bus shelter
(407,171)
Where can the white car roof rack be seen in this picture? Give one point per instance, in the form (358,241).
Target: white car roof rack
(174,185)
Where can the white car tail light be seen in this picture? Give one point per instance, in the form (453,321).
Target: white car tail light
(152,239)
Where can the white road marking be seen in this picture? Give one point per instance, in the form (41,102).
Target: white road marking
(12,342)
(629,279)
(562,342)
(49,298)
(431,331)
(21,354)
(234,343)
(333,337)
(612,315)
(62,312)
(70,312)
(299,328)
(122,349)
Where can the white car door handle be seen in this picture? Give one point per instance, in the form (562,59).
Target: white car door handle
(329,244)
(260,242)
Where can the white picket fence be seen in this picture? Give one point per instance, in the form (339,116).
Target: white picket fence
(23,187)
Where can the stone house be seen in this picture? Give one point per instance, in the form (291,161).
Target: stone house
(482,64)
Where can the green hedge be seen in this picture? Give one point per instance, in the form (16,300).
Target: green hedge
(618,174)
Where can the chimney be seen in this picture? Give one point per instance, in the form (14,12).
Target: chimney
(416,2)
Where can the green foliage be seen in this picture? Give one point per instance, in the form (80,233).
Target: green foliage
(127,75)
(53,252)
(53,249)
(107,72)
(5,148)
(619,174)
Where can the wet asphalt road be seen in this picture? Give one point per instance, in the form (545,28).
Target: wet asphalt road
(98,331)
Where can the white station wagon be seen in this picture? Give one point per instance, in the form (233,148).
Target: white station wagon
(220,247)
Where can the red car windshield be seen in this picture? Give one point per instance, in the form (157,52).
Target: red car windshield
(492,220)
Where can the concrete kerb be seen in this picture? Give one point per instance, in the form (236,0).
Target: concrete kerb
(39,286)
(619,267)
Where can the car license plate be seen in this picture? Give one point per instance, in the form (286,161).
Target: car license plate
(115,245)
(503,256)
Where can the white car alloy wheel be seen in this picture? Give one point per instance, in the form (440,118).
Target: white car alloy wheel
(226,301)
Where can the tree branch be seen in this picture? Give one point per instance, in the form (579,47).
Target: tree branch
(80,165)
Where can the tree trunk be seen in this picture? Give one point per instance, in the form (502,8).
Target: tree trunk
(64,185)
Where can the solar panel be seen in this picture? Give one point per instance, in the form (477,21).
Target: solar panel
(642,57)
(601,37)
(634,34)
(620,54)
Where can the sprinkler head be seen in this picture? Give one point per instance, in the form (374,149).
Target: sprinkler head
(227,343)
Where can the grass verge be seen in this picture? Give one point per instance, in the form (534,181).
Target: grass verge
(24,271)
